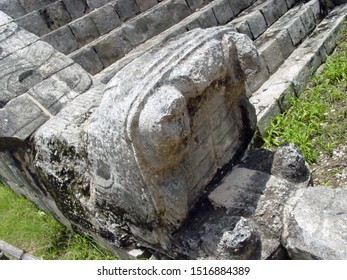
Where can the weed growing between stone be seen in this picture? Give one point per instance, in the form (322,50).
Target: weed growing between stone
(29,228)
(317,120)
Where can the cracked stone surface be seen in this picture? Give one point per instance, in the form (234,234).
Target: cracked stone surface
(316,224)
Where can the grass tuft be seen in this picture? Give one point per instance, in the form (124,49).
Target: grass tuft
(316,121)
(38,233)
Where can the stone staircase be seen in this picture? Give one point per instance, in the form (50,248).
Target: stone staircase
(292,37)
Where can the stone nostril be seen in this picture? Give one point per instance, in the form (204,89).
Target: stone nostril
(25,75)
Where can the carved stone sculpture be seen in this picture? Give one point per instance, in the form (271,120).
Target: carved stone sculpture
(169,121)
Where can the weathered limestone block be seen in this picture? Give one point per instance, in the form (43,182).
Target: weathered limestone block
(34,23)
(84,30)
(256,22)
(178,10)
(12,8)
(31,5)
(4,18)
(195,4)
(126,8)
(13,38)
(144,5)
(76,8)
(62,40)
(27,67)
(272,55)
(55,15)
(19,119)
(270,11)
(223,12)
(105,19)
(316,224)
(160,135)
(94,4)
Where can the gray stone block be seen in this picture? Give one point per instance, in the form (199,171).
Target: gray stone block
(243,28)
(281,6)
(62,39)
(56,62)
(308,20)
(316,10)
(155,21)
(144,5)
(178,10)
(138,31)
(223,12)
(317,224)
(256,22)
(285,43)
(76,78)
(258,79)
(238,6)
(272,55)
(34,23)
(113,47)
(195,4)
(4,19)
(52,94)
(26,67)
(76,8)
(296,31)
(13,38)
(105,19)
(84,30)
(55,15)
(12,8)
(126,8)
(290,3)
(94,4)
(270,12)
(193,24)
(21,117)
(31,5)
(207,19)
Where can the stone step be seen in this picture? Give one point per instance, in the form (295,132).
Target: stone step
(84,20)
(105,50)
(271,98)
(19,8)
(218,12)
(255,20)
(281,39)
(58,13)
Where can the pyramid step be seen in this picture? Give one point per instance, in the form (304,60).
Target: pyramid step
(217,12)
(19,8)
(255,20)
(281,39)
(272,97)
(107,49)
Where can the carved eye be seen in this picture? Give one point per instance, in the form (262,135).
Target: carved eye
(164,120)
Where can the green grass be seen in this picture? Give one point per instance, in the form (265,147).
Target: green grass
(30,229)
(316,121)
